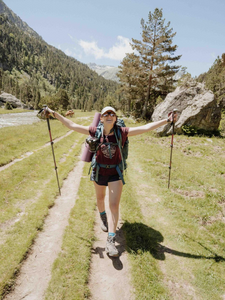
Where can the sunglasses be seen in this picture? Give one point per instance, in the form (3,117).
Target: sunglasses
(111,114)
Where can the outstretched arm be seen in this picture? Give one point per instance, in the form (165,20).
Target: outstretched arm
(68,123)
(151,126)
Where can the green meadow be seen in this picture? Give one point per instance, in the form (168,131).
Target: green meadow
(175,237)
(16,110)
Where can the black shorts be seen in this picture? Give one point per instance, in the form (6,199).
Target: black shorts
(103,180)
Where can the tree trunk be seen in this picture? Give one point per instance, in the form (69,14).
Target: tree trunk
(144,111)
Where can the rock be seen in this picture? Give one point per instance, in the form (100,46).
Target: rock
(5,97)
(196,106)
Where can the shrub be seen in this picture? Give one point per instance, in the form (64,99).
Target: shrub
(8,106)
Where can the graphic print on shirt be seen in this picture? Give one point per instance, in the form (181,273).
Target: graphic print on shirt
(105,151)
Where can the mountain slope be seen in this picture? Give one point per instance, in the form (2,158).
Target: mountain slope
(4,9)
(108,72)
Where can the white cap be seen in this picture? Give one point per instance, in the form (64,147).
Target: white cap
(108,108)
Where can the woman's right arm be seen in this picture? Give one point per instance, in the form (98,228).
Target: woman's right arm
(68,123)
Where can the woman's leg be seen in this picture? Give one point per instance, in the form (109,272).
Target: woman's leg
(115,191)
(100,195)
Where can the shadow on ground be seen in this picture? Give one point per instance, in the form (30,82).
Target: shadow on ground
(141,238)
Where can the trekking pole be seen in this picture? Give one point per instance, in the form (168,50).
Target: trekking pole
(171,145)
(49,129)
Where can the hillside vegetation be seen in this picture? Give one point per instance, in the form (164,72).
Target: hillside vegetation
(215,80)
(31,69)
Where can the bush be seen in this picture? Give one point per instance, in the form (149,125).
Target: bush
(191,131)
(8,106)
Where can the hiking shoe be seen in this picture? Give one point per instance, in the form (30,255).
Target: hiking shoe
(110,248)
(104,225)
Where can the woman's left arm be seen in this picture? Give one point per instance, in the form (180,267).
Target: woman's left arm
(151,126)
(145,128)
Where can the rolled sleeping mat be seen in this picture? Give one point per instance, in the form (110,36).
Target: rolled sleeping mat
(87,155)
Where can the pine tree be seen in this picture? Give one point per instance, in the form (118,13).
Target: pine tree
(214,79)
(154,54)
(130,75)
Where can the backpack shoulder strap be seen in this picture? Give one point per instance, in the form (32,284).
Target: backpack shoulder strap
(99,130)
(119,142)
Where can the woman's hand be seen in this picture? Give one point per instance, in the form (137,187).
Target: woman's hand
(48,111)
(172,117)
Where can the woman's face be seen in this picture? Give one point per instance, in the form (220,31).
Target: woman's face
(108,117)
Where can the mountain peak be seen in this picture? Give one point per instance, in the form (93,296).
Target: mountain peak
(4,9)
(108,72)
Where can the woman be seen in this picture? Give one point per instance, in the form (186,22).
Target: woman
(107,157)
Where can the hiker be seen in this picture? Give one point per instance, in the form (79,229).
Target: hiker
(108,157)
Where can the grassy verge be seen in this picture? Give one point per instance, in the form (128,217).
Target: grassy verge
(27,190)
(71,269)
(15,141)
(16,110)
(176,237)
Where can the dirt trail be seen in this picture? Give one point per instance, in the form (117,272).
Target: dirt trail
(36,270)
(109,277)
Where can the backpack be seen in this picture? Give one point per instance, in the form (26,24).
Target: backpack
(123,149)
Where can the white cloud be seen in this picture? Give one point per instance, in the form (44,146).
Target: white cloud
(116,52)
(120,49)
(91,48)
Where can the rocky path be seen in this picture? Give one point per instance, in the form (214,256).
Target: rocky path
(16,119)
(109,277)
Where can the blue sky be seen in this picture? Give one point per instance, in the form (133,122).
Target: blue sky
(99,31)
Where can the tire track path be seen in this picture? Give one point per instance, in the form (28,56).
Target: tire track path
(35,272)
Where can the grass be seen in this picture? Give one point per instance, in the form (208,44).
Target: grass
(13,111)
(14,143)
(175,237)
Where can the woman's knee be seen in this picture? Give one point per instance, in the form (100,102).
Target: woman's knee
(114,206)
(100,192)
(100,198)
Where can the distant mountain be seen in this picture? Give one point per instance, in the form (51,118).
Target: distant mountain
(108,72)
(4,9)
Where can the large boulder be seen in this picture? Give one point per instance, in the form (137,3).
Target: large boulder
(5,97)
(196,107)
